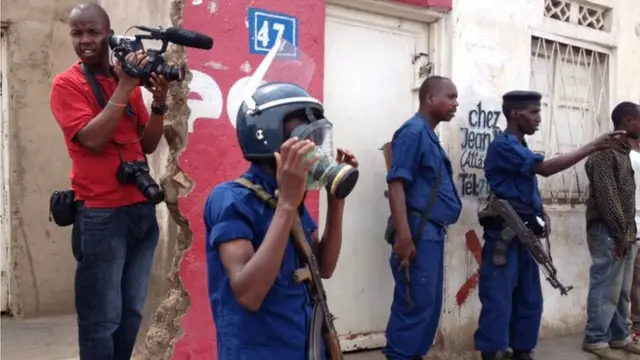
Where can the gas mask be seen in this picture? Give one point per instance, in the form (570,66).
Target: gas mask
(338,179)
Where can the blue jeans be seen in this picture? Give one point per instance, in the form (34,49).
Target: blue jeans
(609,290)
(114,250)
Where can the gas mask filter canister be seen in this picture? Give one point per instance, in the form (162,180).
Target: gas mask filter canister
(338,179)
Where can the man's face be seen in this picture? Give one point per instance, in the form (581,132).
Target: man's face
(528,118)
(444,101)
(632,126)
(90,36)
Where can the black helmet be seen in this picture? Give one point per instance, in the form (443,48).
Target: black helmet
(261,128)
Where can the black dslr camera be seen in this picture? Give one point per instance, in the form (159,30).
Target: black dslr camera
(137,172)
(123,45)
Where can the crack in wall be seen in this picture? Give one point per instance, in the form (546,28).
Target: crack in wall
(165,329)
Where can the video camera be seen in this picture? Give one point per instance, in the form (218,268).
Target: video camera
(123,45)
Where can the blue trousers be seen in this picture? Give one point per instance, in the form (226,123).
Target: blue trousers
(114,250)
(609,291)
(411,331)
(511,298)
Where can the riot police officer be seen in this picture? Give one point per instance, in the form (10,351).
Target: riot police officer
(259,310)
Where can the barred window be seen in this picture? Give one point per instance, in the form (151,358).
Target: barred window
(574,82)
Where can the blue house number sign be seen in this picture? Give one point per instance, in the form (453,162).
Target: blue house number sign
(265,27)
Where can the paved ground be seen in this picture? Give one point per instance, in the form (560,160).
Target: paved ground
(55,339)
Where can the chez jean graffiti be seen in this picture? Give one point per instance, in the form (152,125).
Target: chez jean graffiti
(479,129)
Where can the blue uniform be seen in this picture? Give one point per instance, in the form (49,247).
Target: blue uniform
(511,295)
(279,329)
(417,156)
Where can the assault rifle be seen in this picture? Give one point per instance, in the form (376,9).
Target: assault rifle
(322,321)
(515,227)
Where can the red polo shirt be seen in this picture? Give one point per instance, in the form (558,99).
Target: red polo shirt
(93,175)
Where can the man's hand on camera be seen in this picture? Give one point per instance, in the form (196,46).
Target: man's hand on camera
(139,59)
(159,88)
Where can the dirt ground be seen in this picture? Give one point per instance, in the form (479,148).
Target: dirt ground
(55,339)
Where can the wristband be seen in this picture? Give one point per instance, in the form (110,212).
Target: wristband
(116,104)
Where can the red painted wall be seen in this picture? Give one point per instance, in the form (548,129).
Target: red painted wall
(213,155)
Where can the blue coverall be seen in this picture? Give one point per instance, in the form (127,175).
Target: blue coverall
(416,156)
(279,329)
(511,295)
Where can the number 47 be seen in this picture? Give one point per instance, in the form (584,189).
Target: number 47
(263,33)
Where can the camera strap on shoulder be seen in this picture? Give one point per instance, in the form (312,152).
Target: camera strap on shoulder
(309,275)
(102,102)
(99,95)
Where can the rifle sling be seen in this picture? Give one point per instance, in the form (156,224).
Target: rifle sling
(427,210)
(303,248)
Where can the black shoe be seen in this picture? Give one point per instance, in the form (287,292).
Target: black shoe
(500,355)
(523,355)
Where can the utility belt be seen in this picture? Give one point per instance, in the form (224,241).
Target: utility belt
(500,215)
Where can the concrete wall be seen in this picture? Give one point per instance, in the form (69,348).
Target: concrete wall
(39,47)
(490,55)
(41,261)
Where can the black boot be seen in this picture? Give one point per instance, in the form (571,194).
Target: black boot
(523,355)
(500,355)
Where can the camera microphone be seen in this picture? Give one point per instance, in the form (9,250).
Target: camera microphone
(181,36)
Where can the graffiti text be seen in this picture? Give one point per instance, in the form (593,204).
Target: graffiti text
(479,130)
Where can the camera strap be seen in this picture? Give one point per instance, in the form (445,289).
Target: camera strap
(99,95)
(100,98)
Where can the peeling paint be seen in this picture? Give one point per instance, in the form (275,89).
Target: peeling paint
(197,2)
(216,65)
(165,326)
(213,6)
(245,67)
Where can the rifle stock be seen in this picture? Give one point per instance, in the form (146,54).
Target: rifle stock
(531,241)
(319,296)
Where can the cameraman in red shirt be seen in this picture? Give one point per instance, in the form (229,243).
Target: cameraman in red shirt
(115,230)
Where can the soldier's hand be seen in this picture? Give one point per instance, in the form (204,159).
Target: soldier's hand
(292,164)
(344,156)
(609,140)
(405,250)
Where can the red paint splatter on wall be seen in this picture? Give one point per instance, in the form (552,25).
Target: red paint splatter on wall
(475,247)
(213,154)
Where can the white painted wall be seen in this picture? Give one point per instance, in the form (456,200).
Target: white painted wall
(490,55)
(485,47)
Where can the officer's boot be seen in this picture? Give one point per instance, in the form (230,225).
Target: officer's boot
(500,355)
(523,355)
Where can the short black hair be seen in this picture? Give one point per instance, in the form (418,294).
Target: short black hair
(624,110)
(99,10)
(429,85)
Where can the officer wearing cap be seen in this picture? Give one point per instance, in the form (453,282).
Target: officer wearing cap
(259,310)
(511,294)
